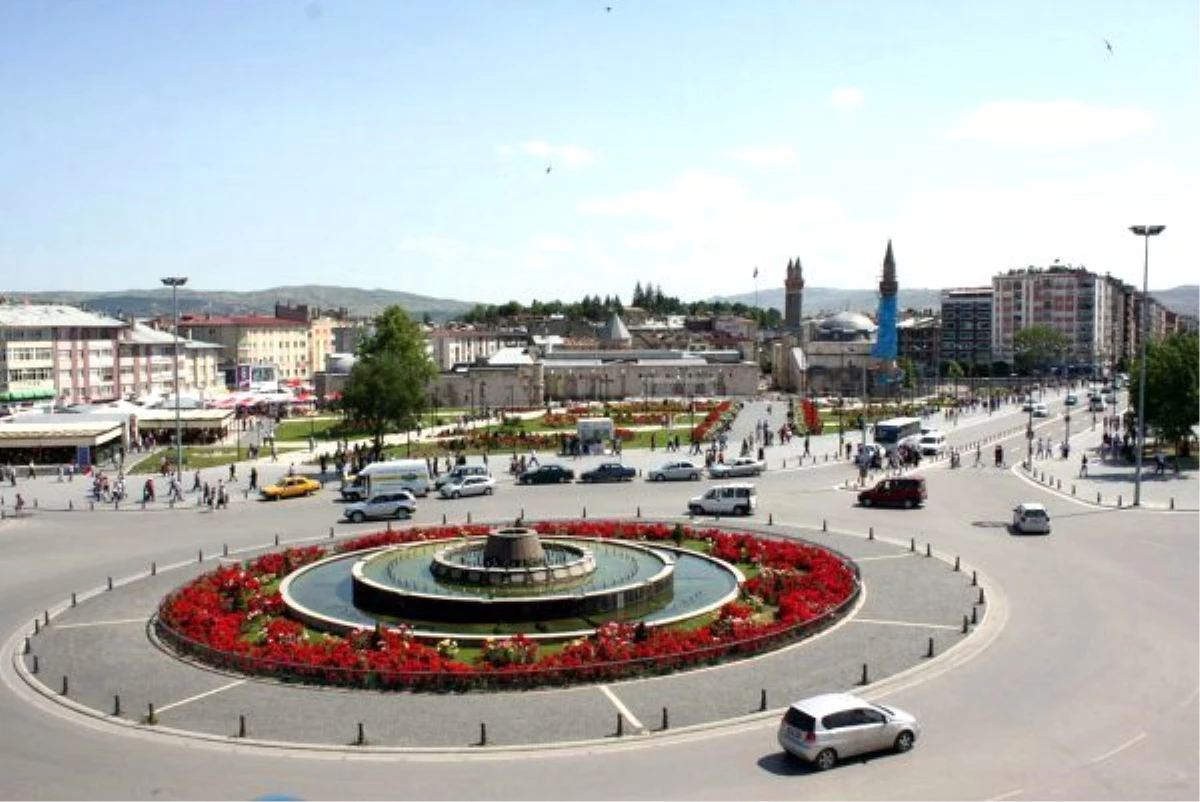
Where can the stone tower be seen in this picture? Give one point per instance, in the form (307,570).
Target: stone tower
(793,295)
(886,338)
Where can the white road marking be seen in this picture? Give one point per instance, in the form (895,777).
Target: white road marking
(902,623)
(1121,748)
(886,557)
(1008,795)
(200,696)
(621,708)
(102,623)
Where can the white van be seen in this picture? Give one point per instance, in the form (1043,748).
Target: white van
(732,499)
(388,477)
(932,443)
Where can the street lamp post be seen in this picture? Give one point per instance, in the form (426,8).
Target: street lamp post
(175,282)
(1145,232)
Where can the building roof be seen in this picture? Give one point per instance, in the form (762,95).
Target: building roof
(848,322)
(244,321)
(614,330)
(41,315)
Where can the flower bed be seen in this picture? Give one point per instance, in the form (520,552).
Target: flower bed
(234,618)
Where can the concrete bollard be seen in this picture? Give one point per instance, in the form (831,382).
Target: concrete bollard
(966,625)
(241,726)
(929,652)
(143,505)
(620,725)
(762,700)
(361,739)
(482,734)
(116,704)
(151,718)
(866,677)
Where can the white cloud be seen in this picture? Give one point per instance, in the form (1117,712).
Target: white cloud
(565,156)
(846,99)
(764,155)
(1051,123)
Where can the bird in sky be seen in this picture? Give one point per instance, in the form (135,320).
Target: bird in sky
(1109,46)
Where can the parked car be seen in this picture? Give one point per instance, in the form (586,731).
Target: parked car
(731,499)
(827,728)
(1031,517)
(549,474)
(458,472)
(609,472)
(742,466)
(290,487)
(674,471)
(473,485)
(907,492)
(398,504)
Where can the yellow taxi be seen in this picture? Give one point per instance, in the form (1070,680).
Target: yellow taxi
(290,487)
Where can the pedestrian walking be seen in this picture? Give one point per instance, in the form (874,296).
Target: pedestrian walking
(1083,467)
(253,478)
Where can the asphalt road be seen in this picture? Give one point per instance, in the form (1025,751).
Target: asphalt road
(1088,689)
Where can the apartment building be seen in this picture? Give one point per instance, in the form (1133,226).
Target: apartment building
(966,334)
(147,364)
(449,347)
(51,351)
(255,340)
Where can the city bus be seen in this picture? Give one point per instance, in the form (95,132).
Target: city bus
(892,432)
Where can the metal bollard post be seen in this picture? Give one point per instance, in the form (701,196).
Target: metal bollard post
(276,538)
(929,653)
(957,564)
(974,578)
(482,734)
(200,555)
(443,519)
(468,517)
(71,505)
(73,602)
(666,724)
(35,664)
(150,717)
(1172,502)
(912,545)
(1118,502)
(871,533)
(153,569)
(966,625)
(362,736)
(762,700)
(28,645)
(1097,498)
(224,549)
(37,625)
(928,550)
(584,513)
(824,525)
(116,704)
(45,618)
(389,526)
(620,725)
(981,601)
(65,686)
(974,614)
(241,726)
(770,519)
(866,679)
(639,511)
(331,533)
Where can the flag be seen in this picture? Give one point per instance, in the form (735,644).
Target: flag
(756,271)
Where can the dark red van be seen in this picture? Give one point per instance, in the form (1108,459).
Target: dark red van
(907,492)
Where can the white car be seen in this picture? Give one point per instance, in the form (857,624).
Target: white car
(1040,411)
(827,728)
(468,486)
(675,471)
(1031,517)
(731,499)
(932,444)
(400,504)
(742,466)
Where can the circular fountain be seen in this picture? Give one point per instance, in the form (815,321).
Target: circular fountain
(511,580)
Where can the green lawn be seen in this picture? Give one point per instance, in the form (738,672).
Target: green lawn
(198,458)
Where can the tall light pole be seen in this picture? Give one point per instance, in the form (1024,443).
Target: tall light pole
(175,282)
(1145,232)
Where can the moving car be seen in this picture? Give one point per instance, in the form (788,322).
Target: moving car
(474,485)
(824,729)
(290,487)
(731,499)
(1031,517)
(388,477)
(1040,411)
(400,504)
(458,472)
(742,466)
(674,471)
(1071,399)
(906,492)
(550,474)
(933,443)
(609,472)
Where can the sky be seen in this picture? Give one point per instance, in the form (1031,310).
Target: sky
(496,150)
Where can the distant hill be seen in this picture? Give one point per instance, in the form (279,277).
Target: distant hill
(358,302)
(818,300)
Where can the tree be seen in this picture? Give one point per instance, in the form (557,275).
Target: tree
(1038,347)
(954,371)
(386,389)
(1172,387)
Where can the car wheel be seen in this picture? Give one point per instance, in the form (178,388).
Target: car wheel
(357,517)
(908,503)
(866,502)
(904,741)
(695,477)
(487,491)
(659,477)
(826,760)
(455,494)
(742,511)
(695,509)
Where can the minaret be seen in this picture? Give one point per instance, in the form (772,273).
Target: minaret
(886,337)
(793,295)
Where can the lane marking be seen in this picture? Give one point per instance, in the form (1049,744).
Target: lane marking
(886,557)
(1007,795)
(622,709)
(903,624)
(102,623)
(1121,748)
(200,696)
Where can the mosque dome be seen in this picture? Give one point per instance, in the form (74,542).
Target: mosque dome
(847,326)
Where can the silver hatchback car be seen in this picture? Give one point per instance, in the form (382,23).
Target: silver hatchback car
(824,729)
